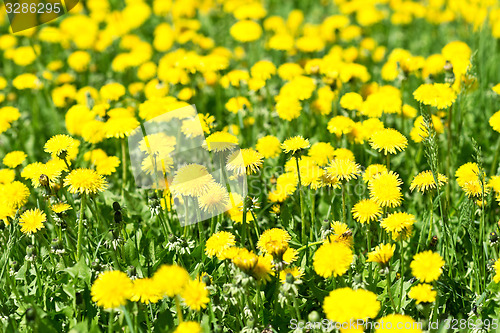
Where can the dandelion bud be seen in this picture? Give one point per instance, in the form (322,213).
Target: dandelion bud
(63,225)
(493,238)
(55,245)
(289,278)
(78,298)
(118,217)
(116,206)
(14,265)
(30,315)
(325,225)
(95,265)
(30,251)
(314,316)
(248,202)
(43,180)
(206,280)
(131,271)
(250,323)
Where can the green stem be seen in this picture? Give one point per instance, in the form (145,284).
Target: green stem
(344,218)
(124,165)
(179,309)
(432,218)
(388,279)
(309,245)
(127,318)
(110,321)
(402,262)
(80,227)
(301,199)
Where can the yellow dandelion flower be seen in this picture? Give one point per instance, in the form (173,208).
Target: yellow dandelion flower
(32,220)
(495,121)
(382,254)
(215,199)
(422,293)
(218,243)
(111,289)
(496,267)
(15,194)
(351,101)
(373,170)
(322,153)
(399,224)
(274,241)
(195,295)
(170,280)
(188,327)
(7,176)
(120,127)
(107,166)
(366,210)
(388,140)
(268,146)
(424,181)
(332,259)
(14,159)
(341,234)
(385,189)
(343,169)
(112,91)
(288,107)
(59,144)
(296,272)
(60,207)
(340,125)
(295,144)
(263,268)
(344,305)
(235,104)
(244,161)
(419,131)
(427,266)
(191,180)
(220,141)
(290,255)
(244,259)
(145,291)
(85,181)
(438,95)
(246,31)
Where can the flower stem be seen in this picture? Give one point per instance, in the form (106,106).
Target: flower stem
(80,227)
(301,199)
(124,165)
(402,261)
(127,318)
(388,279)
(179,310)
(110,321)
(344,218)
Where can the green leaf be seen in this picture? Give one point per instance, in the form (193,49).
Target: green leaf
(80,271)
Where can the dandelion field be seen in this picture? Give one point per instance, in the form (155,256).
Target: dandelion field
(363,137)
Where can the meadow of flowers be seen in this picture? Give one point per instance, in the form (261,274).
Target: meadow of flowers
(368,132)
